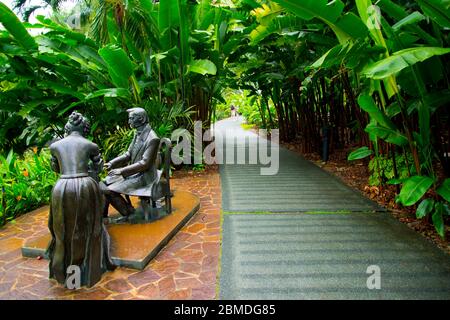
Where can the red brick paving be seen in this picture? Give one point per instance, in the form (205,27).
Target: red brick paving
(187,268)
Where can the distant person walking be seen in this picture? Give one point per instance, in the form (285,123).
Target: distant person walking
(233,111)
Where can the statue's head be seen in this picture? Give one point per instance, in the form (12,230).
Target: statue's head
(137,117)
(77,123)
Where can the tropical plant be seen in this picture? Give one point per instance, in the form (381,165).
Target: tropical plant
(47,76)
(384,170)
(170,52)
(26,182)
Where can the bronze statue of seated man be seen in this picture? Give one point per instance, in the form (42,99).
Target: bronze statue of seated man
(136,172)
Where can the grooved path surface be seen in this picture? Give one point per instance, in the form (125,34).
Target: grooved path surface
(299,255)
(298,186)
(326,256)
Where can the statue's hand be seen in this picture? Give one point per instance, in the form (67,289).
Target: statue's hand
(116,172)
(107,165)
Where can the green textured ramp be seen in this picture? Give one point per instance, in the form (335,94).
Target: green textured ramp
(305,256)
(298,186)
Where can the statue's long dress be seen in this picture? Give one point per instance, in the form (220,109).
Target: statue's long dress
(78,235)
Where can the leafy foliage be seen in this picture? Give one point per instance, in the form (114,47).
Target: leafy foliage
(382,169)
(26,182)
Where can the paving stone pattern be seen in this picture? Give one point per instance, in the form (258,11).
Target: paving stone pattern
(185,269)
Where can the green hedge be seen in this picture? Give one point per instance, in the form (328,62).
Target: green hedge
(26,182)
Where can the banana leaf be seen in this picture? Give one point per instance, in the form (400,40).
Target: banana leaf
(345,27)
(16,28)
(438,10)
(401,59)
(413,189)
(119,65)
(202,67)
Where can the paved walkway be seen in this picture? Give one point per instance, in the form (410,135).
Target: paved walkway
(299,185)
(300,255)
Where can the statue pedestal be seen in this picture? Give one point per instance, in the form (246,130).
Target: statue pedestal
(133,245)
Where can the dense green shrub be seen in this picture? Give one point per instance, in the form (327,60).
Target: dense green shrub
(116,142)
(26,182)
(382,169)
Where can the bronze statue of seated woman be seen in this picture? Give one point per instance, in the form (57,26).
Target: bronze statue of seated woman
(79,237)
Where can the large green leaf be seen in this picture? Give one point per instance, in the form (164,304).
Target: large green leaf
(273,76)
(109,93)
(413,189)
(367,104)
(252,3)
(16,28)
(169,14)
(351,54)
(68,34)
(309,9)
(424,126)
(444,190)
(33,104)
(413,18)
(85,55)
(57,87)
(202,66)
(119,65)
(400,60)
(424,208)
(438,99)
(184,32)
(204,15)
(345,27)
(398,13)
(275,25)
(360,153)
(372,18)
(438,219)
(390,135)
(173,15)
(445,210)
(438,10)
(173,21)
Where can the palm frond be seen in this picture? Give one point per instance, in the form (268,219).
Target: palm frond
(99,27)
(141,26)
(19,4)
(28,11)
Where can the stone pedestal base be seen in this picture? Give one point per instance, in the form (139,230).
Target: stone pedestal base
(133,245)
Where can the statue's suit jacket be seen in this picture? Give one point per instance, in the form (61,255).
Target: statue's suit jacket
(139,171)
